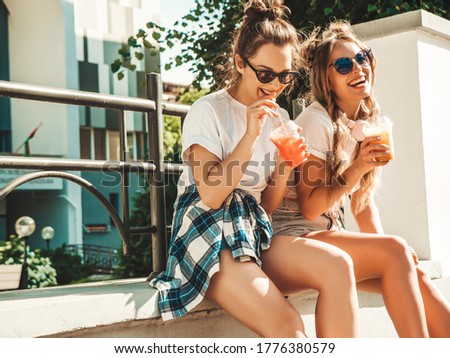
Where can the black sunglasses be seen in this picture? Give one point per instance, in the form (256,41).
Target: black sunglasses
(268,76)
(344,65)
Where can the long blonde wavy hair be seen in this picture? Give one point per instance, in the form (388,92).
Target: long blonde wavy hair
(315,57)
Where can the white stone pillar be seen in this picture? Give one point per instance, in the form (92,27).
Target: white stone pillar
(412,87)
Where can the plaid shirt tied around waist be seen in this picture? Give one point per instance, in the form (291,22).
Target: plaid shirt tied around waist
(199,233)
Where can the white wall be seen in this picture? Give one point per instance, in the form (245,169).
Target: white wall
(412,77)
(402,197)
(434,76)
(37,53)
(115,22)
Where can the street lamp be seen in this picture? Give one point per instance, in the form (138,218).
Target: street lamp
(47,234)
(25,227)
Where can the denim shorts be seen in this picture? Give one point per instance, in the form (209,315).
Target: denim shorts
(292,223)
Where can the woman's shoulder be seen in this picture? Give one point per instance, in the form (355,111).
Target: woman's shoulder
(314,115)
(204,108)
(214,101)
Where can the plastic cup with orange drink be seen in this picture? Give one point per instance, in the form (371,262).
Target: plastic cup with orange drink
(285,135)
(383,129)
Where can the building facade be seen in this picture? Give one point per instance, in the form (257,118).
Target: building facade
(69,44)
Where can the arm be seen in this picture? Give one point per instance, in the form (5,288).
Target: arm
(216,179)
(313,192)
(368,219)
(274,193)
(272,196)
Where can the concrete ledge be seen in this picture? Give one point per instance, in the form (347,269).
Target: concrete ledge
(127,308)
(124,308)
(413,20)
(46,311)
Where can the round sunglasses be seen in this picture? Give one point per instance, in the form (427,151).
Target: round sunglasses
(265,76)
(344,65)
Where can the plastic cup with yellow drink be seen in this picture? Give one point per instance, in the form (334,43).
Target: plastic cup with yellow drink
(382,128)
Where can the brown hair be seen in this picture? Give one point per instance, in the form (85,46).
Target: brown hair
(263,22)
(315,56)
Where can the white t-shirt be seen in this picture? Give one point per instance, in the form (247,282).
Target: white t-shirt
(218,122)
(317,129)
(318,132)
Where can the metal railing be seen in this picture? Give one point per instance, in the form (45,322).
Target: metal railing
(153,108)
(103,260)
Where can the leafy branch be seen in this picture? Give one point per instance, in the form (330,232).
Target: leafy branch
(205,32)
(134,48)
(196,36)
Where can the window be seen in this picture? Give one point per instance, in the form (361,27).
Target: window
(114,145)
(85,143)
(97,228)
(130,145)
(114,200)
(92,143)
(140,146)
(99,144)
(5,142)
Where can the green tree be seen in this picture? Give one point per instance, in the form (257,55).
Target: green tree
(198,36)
(204,33)
(307,13)
(191,95)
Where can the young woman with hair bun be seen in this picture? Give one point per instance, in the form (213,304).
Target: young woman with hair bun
(222,246)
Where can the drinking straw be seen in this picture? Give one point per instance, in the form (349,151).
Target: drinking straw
(284,127)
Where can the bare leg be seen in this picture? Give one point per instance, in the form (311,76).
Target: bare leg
(388,258)
(295,264)
(437,309)
(248,295)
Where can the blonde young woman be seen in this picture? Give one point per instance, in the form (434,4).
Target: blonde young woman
(341,69)
(222,246)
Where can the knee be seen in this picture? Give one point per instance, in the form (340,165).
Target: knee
(422,276)
(342,265)
(398,251)
(338,271)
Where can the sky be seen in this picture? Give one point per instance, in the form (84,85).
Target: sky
(171,11)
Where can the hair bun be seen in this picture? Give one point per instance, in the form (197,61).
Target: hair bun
(259,10)
(338,28)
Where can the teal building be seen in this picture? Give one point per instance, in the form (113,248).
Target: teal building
(69,44)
